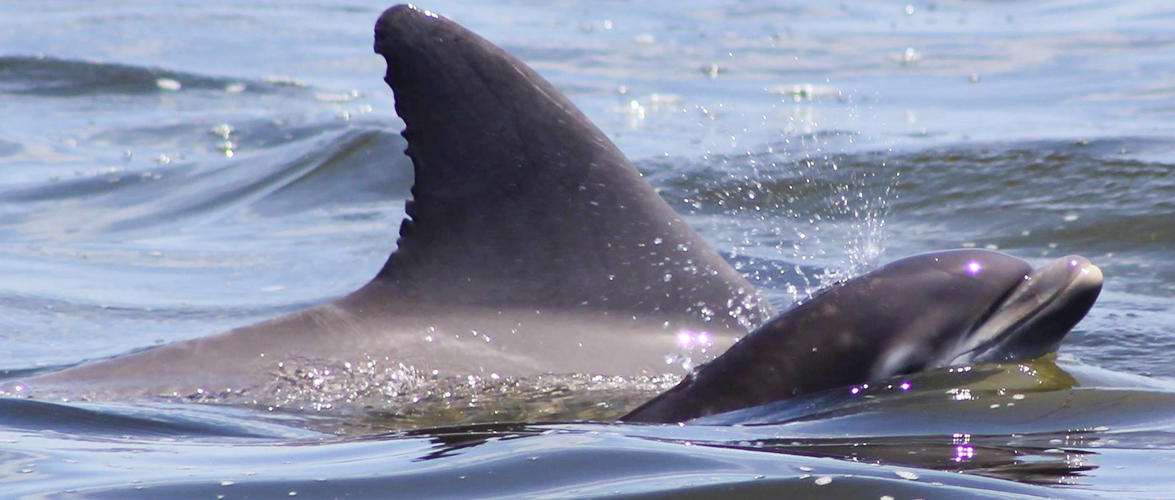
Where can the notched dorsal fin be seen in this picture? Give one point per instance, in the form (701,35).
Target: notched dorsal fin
(520,200)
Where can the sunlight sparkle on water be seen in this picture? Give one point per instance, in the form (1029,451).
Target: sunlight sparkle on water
(690,338)
(973,267)
(964,453)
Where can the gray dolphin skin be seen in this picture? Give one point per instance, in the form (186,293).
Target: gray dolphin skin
(532,246)
(933,310)
(519,199)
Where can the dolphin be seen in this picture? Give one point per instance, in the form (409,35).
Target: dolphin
(531,246)
(927,311)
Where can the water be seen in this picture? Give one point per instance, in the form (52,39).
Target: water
(170,171)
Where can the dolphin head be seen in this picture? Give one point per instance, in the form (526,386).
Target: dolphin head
(1034,316)
(922,312)
(980,306)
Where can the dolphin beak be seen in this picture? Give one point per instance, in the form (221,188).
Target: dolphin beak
(1035,315)
(1088,275)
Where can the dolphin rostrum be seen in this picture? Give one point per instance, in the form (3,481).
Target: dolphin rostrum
(532,245)
(933,310)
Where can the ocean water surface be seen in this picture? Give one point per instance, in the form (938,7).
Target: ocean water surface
(169,171)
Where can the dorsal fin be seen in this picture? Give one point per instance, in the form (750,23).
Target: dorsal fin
(519,200)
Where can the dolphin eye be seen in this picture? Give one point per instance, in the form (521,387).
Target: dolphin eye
(908,368)
(902,359)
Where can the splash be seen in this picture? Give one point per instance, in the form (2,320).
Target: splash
(390,395)
(826,211)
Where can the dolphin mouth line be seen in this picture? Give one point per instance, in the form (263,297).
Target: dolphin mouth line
(997,307)
(1062,284)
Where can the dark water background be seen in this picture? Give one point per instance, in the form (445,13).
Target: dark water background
(170,170)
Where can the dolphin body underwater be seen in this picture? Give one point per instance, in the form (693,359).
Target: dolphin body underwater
(533,246)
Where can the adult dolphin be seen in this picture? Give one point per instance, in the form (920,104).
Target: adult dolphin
(934,310)
(532,245)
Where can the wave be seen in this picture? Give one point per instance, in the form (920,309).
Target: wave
(328,167)
(53,77)
(995,430)
(1027,194)
(176,421)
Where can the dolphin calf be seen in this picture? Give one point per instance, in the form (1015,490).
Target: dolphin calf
(532,245)
(933,310)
